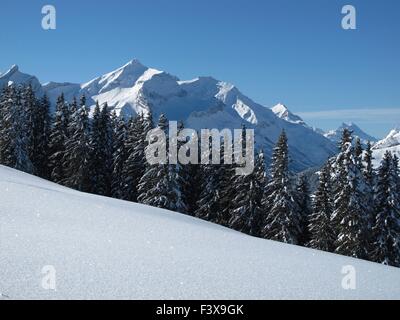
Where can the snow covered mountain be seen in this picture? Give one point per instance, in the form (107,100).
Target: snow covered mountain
(201,103)
(284,113)
(102,248)
(335,135)
(390,143)
(14,76)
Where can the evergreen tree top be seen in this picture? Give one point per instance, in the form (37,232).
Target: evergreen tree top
(346,139)
(82,101)
(163,122)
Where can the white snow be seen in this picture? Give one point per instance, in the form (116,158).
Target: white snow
(108,249)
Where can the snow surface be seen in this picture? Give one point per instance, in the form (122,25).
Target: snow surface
(107,249)
(201,103)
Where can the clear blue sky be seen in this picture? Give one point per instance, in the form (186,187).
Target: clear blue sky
(288,51)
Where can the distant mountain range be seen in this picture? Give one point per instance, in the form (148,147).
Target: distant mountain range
(284,113)
(203,102)
(380,147)
(335,135)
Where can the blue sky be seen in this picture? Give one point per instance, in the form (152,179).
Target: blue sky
(288,51)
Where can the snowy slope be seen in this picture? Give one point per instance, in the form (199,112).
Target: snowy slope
(104,249)
(201,103)
(390,143)
(335,135)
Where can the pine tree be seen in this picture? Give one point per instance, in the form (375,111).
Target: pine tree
(214,202)
(14,146)
(368,170)
(349,217)
(101,155)
(76,158)
(42,138)
(191,188)
(119,157)
(108,146)
(387,226)
(97,160)
(68,112)
(341,185)
(135,163)
(303,201)
(282,222)
(155,187)
(396,179)
(209,202)
(180,179)
(30,109)
(358,151)
(227,183)
(369,195)
(6,103)
(396,173)
(247,212)
(163,123)
(129,172)
(58,136)
(188,174)
(322,234)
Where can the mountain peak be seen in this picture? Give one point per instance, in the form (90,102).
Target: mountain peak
(132,67)
(281,110)
(280,106)
(133,63)
(284,113)
(14,69)
(390,143)
(349,125)
(335,135)
(124,77)
(15,77)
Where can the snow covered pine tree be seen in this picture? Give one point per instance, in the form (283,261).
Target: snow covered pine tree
(349,218)
(155,187)
(76,158)
(283,222)
(322,235)
(387,225)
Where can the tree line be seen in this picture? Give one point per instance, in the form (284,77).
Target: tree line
(355,210)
